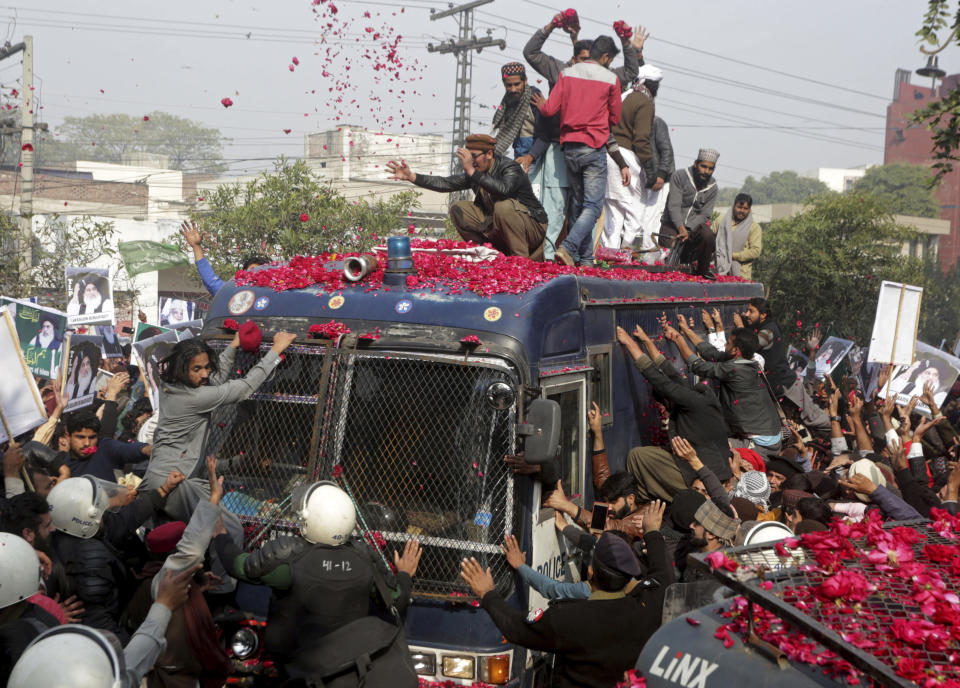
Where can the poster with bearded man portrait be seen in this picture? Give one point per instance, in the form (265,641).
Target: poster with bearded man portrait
(41,333)
(80,385)
(90,296)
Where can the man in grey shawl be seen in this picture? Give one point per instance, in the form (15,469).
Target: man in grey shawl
(739,239)
(195,383)
(514,121)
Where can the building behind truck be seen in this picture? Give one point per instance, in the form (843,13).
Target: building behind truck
(423,377)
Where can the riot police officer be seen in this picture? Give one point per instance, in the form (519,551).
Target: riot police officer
(320,629)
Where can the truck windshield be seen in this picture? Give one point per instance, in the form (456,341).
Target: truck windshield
(412,436)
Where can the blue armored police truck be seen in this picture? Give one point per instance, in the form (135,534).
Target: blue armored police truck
(417,406)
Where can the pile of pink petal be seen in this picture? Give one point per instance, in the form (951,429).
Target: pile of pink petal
(891,595)
(332,330)
(439,272)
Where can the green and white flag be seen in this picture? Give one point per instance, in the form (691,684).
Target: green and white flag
(147,256)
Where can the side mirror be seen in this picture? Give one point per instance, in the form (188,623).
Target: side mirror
(541,431)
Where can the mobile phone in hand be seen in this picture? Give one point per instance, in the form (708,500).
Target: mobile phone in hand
(598,520)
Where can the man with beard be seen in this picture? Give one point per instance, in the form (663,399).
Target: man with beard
(505,212)
(685,225)
(711,530)
(29,517)
(90,296)
(739,239)
(89,454)
(514,122)
(49,336)
(81,375)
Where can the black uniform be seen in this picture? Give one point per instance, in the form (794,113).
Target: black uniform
(320,621)
(96,571)
(595,640)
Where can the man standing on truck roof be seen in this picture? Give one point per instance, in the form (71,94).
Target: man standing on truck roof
(550,67)
(505,212)
(622,207)
(587,97)
(598,639)
(686,221)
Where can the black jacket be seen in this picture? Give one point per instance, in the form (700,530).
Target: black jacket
(505,179)
(95,568)
(595,640)
(696,416)
(662,150)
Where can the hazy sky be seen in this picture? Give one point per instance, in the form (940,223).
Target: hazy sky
(184,57)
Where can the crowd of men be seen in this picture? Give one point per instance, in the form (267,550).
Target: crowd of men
(591,165)
(103,584)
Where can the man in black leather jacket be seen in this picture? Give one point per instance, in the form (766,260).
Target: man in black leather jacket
(505,213)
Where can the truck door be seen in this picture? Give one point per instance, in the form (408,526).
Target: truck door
(550,553)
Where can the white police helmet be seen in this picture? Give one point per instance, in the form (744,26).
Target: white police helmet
(70,656)
(77,504)
(19,570)
(326,512)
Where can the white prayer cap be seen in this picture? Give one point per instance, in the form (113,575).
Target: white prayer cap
(649,73)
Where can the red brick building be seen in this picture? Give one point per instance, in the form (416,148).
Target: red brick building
(912,144)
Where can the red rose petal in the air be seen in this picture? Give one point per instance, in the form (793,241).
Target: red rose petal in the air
(304,217)
(226,102)
(27,147)
(146,118)
(295,61)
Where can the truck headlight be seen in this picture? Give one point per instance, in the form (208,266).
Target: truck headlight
(244,643)
(457,666)
(495,669)
(425,663)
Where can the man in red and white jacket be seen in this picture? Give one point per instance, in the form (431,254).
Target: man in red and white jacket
(587,96)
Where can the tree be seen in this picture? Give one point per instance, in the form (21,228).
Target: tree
(826,264)
(57,244)
(906,187)
(188,145)
(939,315)
(726,195)
(941,117)
(291,211)
(783,187)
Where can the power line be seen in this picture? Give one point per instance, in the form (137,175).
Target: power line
(845,89)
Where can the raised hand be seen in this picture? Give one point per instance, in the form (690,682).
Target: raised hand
(479,580)
(511,549)
(410,560)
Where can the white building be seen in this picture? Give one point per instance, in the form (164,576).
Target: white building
(353,153)
(840,179)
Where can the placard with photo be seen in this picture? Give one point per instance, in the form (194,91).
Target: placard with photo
(832,351)
(90,294)
(83,363)
(41,331)
(174,311)
(798,361)
(112,348)
(930,365)
(150,352)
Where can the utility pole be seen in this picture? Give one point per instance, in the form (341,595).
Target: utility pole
(462,47)
(26,152)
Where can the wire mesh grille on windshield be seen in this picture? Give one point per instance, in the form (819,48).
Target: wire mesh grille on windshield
(859,630)
(418,444)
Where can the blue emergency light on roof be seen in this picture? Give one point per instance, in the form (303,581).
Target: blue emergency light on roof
(398,253)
